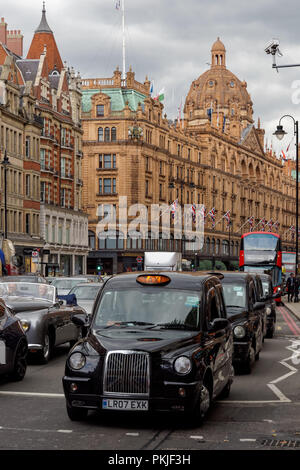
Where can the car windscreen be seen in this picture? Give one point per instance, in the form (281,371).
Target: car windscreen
(27,289)
(155,306)
(65,283)
(85,292)
(235,294)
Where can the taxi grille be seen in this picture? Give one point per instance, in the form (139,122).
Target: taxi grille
(126,373)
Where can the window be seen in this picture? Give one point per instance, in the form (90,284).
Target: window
(63,166)
(28,185)
(100,110)
(113,134)
(100,134)
(107,134)
(27,223)
(43,191)
(27,147)
(100,185)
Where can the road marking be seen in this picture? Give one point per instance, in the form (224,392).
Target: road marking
(196,437)
(32,394)
(132,434)
(65,430)
(248,440)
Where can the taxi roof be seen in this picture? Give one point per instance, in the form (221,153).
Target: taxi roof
(188,280)
(234,275)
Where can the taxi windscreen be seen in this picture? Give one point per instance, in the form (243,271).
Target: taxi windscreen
(158,307)
(234,295)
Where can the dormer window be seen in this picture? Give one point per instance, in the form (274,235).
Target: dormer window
(100,110)
(232,83)
(211,83)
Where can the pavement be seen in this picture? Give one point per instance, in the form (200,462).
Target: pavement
(293,307)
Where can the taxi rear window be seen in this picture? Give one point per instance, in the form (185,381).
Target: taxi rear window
(150,305)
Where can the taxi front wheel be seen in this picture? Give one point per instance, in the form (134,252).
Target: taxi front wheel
(76,414)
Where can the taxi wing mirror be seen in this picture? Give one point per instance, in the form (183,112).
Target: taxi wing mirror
(218,324)
(81,319)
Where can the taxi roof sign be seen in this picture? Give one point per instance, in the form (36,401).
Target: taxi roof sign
(153,279)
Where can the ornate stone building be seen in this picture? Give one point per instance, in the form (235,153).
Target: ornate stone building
(20,130)
(214,157)
(64,225)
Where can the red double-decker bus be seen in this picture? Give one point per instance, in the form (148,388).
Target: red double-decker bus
(261,252)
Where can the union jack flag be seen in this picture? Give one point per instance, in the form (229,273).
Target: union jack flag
(263,222)
(276,225)
(270,225)
(213,217)
(193,210)
(227,216)
(203,213)
(251,222)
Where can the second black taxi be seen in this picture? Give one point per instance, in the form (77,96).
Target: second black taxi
(155,342)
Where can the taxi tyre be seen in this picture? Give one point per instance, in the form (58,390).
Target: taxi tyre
(76,414)
(20,362)
(247,365)
(203,403)
(270,331)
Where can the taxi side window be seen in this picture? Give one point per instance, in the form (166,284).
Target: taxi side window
(251,296)
(213,306)
(219,292)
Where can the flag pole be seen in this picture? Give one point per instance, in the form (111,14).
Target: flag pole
(123,31)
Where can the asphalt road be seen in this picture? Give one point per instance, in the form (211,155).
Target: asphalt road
(261,413)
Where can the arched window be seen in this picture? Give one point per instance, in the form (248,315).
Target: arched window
(217,247)
(107,134)
(113,134)
(213,243)
(100,134)
(225,246)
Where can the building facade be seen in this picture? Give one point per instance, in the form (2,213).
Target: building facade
(20,129)
(213,156)
(56,94)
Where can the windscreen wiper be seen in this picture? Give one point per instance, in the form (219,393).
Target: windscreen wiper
(175,326)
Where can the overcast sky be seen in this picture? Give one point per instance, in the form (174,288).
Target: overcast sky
(170,42)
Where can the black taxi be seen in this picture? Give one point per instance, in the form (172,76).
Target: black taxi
(269,298)
(155,342)
(244,312)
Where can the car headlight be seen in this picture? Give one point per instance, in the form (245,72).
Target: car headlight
(182,365)
(25,325)
(239,331)
(77,360)
(268,310)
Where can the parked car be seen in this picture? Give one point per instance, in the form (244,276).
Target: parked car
(244,312)
(13,345)
(156,342)
(65,284)
(24,278)
(86,294)
(269,298)
(46,322)
(90,277)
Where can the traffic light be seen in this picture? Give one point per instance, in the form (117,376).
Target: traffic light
(99,267)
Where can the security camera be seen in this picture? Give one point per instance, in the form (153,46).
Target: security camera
(272,47)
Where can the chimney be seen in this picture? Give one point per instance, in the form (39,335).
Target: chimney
(15,42)
(3,32)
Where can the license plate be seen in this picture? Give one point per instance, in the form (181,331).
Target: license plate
(130,405)
(2,353)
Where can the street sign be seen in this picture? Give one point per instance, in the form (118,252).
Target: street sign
(139,259)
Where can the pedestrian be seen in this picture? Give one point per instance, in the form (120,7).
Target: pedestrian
(290,287)
(296,289)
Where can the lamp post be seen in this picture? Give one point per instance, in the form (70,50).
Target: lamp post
(5,162)
(280,133)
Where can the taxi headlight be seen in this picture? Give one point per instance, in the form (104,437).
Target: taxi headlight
(239,331)
(77,360)
(182,365)
(268,310)
(25,325)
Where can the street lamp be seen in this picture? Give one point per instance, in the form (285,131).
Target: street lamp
(280,133)
(5,162)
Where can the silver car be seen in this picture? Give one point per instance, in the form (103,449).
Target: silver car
(46,322)
(65,284)
(86,294)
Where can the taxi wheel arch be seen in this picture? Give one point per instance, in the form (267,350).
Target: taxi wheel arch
(204,400)
(76,414)
(20,362)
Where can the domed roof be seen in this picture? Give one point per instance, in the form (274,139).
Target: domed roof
(220,90)
(218,46)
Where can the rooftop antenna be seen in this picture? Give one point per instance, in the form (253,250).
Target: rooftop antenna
(123,30)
